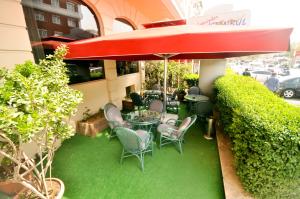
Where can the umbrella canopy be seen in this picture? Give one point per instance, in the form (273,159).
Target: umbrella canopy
(51,42)
(181,42)
(184,41)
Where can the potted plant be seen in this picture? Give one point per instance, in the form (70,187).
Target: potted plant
(180,94)
(35,103)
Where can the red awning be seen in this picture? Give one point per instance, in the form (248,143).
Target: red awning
(186,41)
(52,42)
(47,44)
(165,23)
(298,54)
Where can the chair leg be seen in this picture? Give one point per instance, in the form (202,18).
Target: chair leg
(160,140)
(111,134)
(122,156)
(151,147)
(141,157)
(180,147)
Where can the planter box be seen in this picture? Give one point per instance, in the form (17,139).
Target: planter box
(92,126)
(127,105)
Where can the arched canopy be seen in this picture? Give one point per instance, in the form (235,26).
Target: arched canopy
(182,42)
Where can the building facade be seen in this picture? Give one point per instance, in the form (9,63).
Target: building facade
(35,19)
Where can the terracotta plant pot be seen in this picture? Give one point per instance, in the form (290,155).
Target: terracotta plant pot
(59,189)
(180,96)
(10,188)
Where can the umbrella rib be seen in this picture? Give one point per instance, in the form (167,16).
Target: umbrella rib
(166,55)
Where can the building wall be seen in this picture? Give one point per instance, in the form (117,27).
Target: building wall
(95,96)
(107,10)
(14,41)
(113,89)
(210,70)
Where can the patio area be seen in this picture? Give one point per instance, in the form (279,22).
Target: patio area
(90,168)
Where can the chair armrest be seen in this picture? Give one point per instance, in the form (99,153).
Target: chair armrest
(173,122)
(115,123)
(126,116)
(172,131)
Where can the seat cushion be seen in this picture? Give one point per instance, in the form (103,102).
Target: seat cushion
(145,137)
(184,124)
(168,116)
(167,130)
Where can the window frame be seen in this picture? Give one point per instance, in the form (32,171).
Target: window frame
(69,21)
(68,3)
(41,31)
(39,16)
(54,17)
(58,33)
(55,3)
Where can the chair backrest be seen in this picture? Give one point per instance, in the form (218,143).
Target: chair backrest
(129,139)
(203,108)
(156,87)
(136,99)
(185,125)
(156,105)
(194,90)
(112,113)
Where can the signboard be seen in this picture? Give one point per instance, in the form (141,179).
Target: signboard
(234,18)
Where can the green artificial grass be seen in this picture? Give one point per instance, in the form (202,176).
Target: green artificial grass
(90,168)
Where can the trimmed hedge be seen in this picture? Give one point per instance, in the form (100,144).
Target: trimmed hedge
(191,79)
(265,134)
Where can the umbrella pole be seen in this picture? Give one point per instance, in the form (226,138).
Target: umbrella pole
(165,81)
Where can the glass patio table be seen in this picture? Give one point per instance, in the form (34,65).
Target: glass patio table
(143,119)
(196,98)
(192,99)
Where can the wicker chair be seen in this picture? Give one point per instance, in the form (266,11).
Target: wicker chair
(172,103)
(203,109)
(194,90)
(174,130)
(156,105)
(137,100)
(114,118)
(135,143)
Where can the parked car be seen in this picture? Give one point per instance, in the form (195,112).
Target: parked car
(261,75)
(289,87)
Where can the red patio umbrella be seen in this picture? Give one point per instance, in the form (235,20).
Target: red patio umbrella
(182,42)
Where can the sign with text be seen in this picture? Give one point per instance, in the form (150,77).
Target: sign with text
(234,18)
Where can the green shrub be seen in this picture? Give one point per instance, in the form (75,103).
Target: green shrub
(191,79)
(264,130)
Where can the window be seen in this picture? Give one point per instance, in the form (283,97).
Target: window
(69,28)
(262,72)
(38,1)
(39,16)
(293,81)
(121,25)
(70,7)
(85,70)
(55,19)
(58,33)
(43,33)
(55,3)
(127,67)
(71,22)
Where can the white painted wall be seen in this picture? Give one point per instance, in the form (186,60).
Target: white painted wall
(210,69)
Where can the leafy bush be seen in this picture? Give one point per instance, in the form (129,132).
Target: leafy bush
(191,79)
(265,133)
(154,73)
(35,104)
